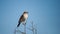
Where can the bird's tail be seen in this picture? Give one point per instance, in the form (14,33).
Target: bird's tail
(18,24)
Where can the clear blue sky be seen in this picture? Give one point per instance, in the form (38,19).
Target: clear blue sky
(44,13)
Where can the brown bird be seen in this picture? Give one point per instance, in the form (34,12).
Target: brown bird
(23,18)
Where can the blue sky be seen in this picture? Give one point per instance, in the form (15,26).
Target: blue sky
(44,13)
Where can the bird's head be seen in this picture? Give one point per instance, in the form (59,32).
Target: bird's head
(25,14)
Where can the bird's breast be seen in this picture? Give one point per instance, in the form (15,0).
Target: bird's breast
(25,16)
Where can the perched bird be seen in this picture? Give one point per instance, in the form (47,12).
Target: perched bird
(23,18)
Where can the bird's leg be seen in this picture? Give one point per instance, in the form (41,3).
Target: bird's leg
(24,23)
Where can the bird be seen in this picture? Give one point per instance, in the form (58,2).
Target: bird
(23,18)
